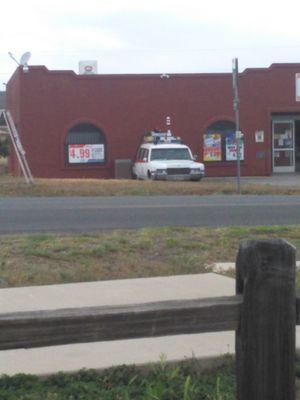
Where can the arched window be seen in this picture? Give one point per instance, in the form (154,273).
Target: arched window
(219,142)
(85,144)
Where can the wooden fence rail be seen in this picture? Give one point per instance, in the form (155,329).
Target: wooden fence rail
(263,313)
(46,328)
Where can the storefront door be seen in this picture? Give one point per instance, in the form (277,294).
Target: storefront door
(283,146)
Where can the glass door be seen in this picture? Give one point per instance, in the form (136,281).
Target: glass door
(283,146)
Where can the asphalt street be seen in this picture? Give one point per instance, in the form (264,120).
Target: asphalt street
(90,214)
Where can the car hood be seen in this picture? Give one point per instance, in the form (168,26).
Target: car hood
(176,164)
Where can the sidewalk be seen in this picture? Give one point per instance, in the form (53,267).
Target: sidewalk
(69,358)
(285,179)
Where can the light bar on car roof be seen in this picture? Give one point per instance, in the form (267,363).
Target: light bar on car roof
(161,138)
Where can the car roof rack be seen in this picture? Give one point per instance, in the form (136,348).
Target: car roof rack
(157,137)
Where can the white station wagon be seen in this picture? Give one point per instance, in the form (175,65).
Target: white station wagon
(166,161)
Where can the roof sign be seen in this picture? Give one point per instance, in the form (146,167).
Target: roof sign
(88,67)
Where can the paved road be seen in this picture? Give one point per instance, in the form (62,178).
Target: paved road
(87,214)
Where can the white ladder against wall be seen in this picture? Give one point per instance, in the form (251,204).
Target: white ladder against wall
(15,138)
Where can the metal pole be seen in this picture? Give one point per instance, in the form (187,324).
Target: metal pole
(236,102)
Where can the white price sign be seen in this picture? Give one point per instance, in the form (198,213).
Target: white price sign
(86,153)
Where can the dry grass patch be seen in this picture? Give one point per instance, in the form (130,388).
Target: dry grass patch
(10,186)
(49,259)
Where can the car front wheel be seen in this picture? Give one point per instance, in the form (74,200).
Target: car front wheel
(151,176)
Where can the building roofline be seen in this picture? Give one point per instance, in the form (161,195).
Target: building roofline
(125,75)
(73,74)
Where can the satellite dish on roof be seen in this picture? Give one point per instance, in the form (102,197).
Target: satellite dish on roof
(25,58)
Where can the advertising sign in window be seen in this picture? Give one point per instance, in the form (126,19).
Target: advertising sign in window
(85,153)
(212,147)
(231,147)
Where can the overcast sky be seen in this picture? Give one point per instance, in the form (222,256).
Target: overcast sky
(149,36)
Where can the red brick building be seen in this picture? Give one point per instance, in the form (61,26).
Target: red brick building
(59,112)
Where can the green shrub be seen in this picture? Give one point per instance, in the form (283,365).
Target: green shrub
(184,381)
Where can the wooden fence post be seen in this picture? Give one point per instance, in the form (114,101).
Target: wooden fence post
(265,339)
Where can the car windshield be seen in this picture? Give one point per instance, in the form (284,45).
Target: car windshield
(170,154)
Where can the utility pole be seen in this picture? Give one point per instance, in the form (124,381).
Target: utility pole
(236,103)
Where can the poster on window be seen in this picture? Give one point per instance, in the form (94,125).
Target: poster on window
(212,149)
(231,149)
(86,153)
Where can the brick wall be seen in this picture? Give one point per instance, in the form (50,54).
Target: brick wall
(46,104)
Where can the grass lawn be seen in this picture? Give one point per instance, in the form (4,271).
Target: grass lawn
(10,186)
(49,259)
(185,381)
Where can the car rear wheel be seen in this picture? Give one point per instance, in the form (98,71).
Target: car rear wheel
(133,174)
